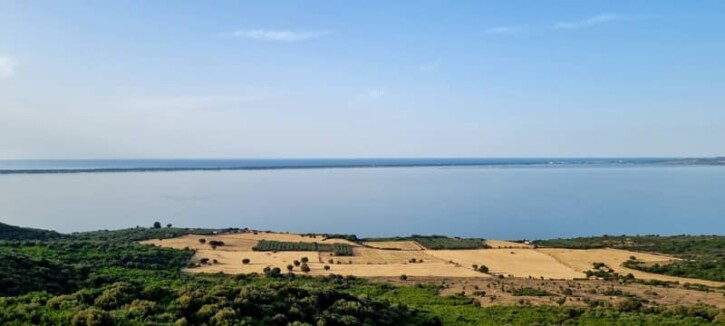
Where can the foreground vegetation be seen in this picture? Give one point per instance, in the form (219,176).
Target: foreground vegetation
(704,256)
(107,278)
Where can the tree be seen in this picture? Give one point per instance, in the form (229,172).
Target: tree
(327,267)
(202,241)
(403,277)
(245,261)
(92,316)
(305,268)
(290,267)
(304,259)
(168,225)
(157,225)
(296,262)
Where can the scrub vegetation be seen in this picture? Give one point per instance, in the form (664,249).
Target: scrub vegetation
(108,278)
(703,256)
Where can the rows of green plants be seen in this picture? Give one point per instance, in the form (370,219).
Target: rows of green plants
(704,256)
(337,249)
(442,242)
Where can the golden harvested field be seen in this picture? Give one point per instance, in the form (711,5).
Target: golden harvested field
(238,241)
(582,260)
(499,244)
(547,263)
(402,245)
(377,256)
(231,262)
(516,262)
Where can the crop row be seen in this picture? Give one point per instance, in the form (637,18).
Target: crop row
(338,249)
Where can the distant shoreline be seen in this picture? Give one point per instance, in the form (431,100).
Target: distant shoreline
(119,166)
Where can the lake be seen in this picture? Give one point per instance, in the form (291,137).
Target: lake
(499,202)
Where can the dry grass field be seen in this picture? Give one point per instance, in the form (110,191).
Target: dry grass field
(397,259)
(582,260)
(516,262)
(499,244)
(401,245)
(376,256)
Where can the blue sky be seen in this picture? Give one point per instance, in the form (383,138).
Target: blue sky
(82,79)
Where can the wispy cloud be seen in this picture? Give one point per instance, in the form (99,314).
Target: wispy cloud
(279,35)
(7,67)
(194,102)
(376,93)
(504,30)
(428,67)
(591,21)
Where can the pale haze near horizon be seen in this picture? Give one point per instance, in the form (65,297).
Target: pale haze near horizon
(404,79)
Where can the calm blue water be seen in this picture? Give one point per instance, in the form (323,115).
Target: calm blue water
(537,200)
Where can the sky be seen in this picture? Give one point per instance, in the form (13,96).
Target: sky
(301,79)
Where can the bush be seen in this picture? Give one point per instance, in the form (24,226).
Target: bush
(403,277)
(483,269)
(92,317)
(245,261)
(305,268)
(216,243)
(527,291)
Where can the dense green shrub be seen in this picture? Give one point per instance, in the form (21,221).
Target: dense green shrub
(527,291)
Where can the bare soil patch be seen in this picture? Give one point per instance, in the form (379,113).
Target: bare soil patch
(577,293)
